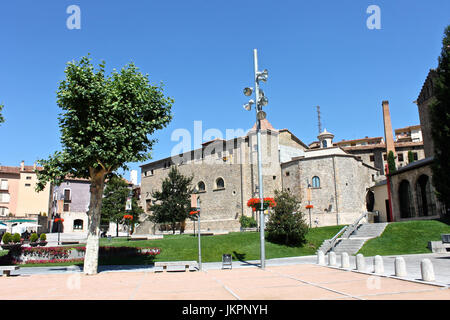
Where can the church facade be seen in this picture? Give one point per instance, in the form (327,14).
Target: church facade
(225,174)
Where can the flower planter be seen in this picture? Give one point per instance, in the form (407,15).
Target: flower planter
(12,246)
(42,243)
(34,244)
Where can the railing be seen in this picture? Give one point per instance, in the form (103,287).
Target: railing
(345,231)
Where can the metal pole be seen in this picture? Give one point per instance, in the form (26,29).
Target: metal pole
(199,243)
(258,141)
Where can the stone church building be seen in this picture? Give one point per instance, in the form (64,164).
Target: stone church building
(225,174)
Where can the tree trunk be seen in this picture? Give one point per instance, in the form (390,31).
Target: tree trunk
(94,214)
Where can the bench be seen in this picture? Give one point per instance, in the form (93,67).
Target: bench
(185,264)
(440,246)
(6,270)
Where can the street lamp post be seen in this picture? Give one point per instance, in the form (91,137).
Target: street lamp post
(199,242)
(260,101)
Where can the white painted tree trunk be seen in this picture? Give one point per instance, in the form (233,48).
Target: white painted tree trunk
(94,214)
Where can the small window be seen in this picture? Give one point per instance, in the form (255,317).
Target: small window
(27,185)
(220,184)
(28,177)
(384,157)
(78,224)
(201,186)
(400,157)
(415,155)
(315,182)
(66,194)
(372,158)
(324,143)
(66,207)
(287,173)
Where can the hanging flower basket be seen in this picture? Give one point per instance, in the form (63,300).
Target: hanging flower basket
(193,212)
(309,206)
(255,203)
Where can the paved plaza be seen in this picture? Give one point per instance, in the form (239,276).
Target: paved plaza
(279,281)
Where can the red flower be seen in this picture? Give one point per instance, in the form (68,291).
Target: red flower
(309,206)
(193,212)
(59,220)
(128,216)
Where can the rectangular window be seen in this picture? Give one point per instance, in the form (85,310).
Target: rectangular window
(415,155)
(287,173)
(28,177)
(4,184)
(384,157)
(66,207)
(27,185)
(4,197)
(400,157)
(67,195)
(372,158)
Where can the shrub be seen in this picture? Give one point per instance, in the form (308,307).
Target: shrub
(34,237)
(247,222)
(43,237)
(7,238)
(286,224)
(16,238)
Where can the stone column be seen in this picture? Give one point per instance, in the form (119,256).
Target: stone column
(332,258)
(400,267)
(320,258)
(360,262)
(378,264)
(345,260)
(427,270)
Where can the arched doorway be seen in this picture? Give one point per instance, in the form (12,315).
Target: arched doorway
(425,203)
(370,201)
(406,203)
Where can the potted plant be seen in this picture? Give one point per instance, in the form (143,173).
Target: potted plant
(11,242)
(42,240)
(6,239)
(255,203)
(34,240)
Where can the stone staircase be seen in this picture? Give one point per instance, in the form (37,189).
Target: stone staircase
(356,240)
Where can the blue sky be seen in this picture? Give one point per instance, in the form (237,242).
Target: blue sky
(317,53)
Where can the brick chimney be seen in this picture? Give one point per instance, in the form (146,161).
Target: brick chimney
(388,134)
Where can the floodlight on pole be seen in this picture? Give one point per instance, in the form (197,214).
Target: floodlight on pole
(248,91)
(262,76)
(248,106)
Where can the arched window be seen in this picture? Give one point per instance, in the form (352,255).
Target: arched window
(324,143)
(406,203)
(220,184)
(77,224)
(315,182)
(426,205)
(201,186)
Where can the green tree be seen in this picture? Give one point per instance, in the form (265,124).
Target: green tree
(410,157)
(391,162)
(440,123)
(114,201)
(105,124)
(1,116)
(286,223)
(173,202)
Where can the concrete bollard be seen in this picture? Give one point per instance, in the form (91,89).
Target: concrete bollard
(427,270)
(320,258)
(345,260)
(332,258)
(378,264)
(400,267)
(360,262)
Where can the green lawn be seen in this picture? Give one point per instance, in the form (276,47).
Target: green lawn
(242,245)
(405,238)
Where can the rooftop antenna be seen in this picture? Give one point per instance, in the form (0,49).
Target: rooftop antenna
(318,119)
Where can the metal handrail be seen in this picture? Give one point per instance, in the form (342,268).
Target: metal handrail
(347,230)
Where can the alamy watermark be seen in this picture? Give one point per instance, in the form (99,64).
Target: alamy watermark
(74,20)
(374,20)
